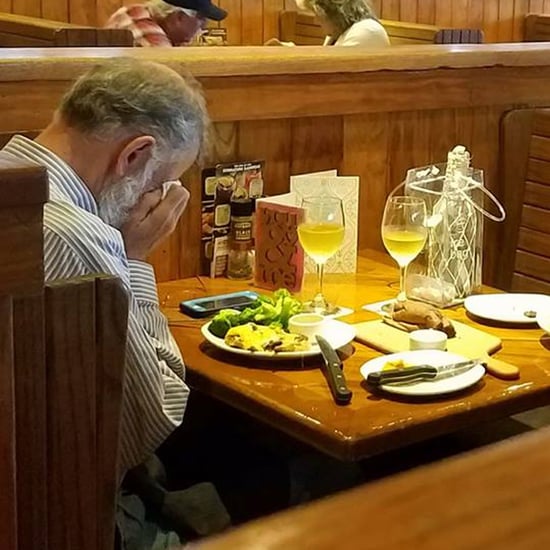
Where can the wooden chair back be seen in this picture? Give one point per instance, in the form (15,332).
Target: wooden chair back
(62,354)
(300,28)
(537,28)
(8,471)
(19,31)
(459,36)
(403,33)
(525,173)
(303,29)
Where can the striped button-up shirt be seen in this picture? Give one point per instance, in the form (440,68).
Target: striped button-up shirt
(77,242)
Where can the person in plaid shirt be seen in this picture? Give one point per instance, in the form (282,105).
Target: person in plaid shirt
(171,23)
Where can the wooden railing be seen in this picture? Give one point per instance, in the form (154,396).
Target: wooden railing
(62,350)
(18,31)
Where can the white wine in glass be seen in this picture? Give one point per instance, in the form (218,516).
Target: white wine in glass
(321,234)
(404,233)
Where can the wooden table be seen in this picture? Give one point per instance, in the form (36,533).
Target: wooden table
(294,397)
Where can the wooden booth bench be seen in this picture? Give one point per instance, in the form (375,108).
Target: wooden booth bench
(537,28)
(19,31)
(487,498)
(374,115)
(303,29)
(525,264)
(62,352)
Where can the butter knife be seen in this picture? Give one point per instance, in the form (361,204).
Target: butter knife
(334,373)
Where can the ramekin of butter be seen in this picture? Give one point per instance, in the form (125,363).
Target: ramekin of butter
(308,324)
(427,339)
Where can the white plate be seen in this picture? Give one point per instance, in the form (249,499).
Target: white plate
(506,307)
(543,319)
(435,358)
(337,333)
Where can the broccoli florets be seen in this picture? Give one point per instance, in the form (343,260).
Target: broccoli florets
(266,310)
(223,321)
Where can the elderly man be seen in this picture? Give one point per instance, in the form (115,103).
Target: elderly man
(124,131)
(121,135)
(165,23)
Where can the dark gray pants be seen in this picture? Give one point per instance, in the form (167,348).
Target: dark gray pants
(137,531)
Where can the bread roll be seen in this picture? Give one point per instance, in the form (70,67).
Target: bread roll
(417,315)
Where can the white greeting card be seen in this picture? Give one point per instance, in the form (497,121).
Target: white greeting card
(345,188)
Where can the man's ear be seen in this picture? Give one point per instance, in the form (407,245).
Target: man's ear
(134,155)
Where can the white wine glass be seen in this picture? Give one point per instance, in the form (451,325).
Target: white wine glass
(404,233)
(321,234)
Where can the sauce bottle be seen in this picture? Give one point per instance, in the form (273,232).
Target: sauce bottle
(241,243)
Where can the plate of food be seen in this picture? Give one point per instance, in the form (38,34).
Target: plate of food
(511,307)
(261,330)
(433,372)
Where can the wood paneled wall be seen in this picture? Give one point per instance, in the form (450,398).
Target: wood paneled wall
(373,117)
(252,22)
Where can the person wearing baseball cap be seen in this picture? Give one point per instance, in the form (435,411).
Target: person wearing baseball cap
(165,23)
(204,8)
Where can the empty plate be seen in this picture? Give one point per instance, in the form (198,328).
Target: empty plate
(507,307)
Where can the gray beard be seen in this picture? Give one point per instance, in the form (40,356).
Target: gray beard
(120,196)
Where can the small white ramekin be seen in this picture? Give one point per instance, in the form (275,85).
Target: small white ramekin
(427,339)
(308,324)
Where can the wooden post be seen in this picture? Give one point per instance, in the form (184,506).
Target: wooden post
(23,191)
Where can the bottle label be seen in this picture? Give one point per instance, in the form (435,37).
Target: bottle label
(241,230)
(222,214)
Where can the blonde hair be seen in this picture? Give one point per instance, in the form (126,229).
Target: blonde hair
(341,13)
(159,9)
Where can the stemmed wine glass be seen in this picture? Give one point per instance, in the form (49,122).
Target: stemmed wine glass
(404,233)
(321,234)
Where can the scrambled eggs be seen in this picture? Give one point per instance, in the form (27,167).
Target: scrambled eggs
(255,337)
(396,364)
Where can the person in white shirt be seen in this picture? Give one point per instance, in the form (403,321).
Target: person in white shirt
(348,22)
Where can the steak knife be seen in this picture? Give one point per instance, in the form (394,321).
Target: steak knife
(334,373)
(419,373)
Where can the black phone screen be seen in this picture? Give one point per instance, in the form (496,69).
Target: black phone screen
(223,303)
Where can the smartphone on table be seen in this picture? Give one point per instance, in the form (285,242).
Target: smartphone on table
(210,305)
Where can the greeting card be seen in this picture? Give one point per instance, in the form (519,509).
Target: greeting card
(279,256)
(345,188)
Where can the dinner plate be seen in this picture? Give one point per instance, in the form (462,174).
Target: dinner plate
(434,358)
(543,319)
(336,332)
(507,307)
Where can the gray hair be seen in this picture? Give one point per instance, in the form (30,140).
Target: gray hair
(127,97)
(159,9)
(341,13)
